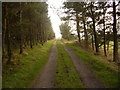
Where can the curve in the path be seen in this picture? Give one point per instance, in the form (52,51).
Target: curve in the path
(86,76)
(47,75)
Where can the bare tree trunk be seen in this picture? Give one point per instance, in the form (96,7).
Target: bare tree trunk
(41,34)
(94,30)
(78,31)
(108,45)
(85,32)
(4,31)
(8,42)
(105,53)
(31,46)
(92,42)
(115,48)
(20,18)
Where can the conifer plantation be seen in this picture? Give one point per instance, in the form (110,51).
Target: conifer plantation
(24,25)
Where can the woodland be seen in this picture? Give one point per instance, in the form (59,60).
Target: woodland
(86,56)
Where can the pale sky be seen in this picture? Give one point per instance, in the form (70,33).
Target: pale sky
(53,8)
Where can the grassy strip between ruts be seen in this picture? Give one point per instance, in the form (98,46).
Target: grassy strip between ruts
(66,76)
(100,69)
(22,75)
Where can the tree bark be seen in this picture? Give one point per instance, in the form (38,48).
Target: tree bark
(78,31)
(20,20)
(41,34)
(105,53)
(8,41)
(107,45)
(92,42)
(94,30)
(115,48)
(4,31)
(31,46)
(85,32)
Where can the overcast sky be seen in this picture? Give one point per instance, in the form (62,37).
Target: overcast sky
(53,6)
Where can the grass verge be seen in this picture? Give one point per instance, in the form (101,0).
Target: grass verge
(102,70)
(66,76)
(24,73)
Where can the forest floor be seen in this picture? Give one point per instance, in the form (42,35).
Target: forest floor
(63,65)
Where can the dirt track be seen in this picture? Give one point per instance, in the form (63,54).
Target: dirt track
(47,75)
(85,75)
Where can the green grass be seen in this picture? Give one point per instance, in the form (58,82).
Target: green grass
(66,76)
(22,75)
(102,70)
(110,51)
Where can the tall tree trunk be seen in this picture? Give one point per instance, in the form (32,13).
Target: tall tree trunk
(94,30)
(9,53)
(41,33)
(30,27)
(104,32)
(108,45)
(115,48)
(85,32)
(78,31)
(8,38)
(31,46)
(4,31)
(45,34)
(20,20)
(93,42)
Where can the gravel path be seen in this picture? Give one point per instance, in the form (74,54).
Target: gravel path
(86,76)
(47,75)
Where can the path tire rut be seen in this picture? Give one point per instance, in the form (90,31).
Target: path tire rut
(85,75)
(47,75)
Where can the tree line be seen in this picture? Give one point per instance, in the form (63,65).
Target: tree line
(24,24)
(66,33)
(96,24)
